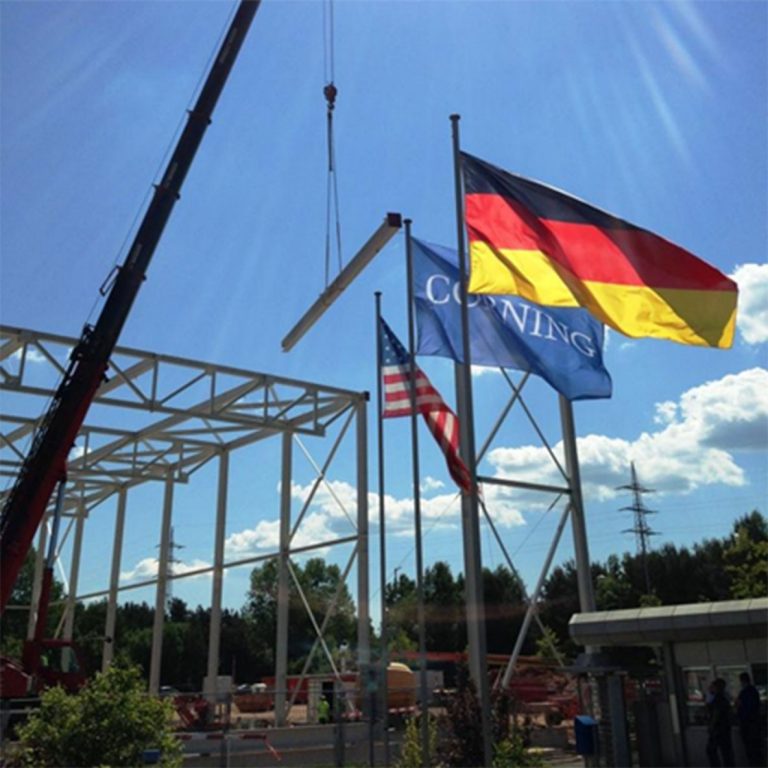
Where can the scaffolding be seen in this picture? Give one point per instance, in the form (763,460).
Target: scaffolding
(161,419)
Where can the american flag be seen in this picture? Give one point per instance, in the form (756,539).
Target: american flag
(440,419)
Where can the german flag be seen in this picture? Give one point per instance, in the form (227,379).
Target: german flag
(534,241)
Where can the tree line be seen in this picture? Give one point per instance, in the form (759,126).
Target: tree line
(732,567)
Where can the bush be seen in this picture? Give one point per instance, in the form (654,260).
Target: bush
(464,743)
(410,755)
(110,722)
(511,753)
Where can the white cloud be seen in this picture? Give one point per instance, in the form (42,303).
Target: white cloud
(148,567)
(693,447)
(431,484)
(752,320)
(330,497)
(265,536)
(324,521)
(666,412)
(732,413)
(33,355)
(484,370)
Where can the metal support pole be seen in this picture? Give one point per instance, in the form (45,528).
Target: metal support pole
(214,632)
(363,611)
(581,555)
(283,596)
(162,579)
(581,550)
(420,606)
(74,572)
(674,696)
(37,579)
(534,599)
(108,649)
(622,756)
(470,518)
(384,653)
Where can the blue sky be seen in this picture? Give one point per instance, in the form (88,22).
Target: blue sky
(653,111)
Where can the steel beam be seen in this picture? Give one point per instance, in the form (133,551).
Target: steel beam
(74,573)
(214,634)
(363,614)
(162,576)
(375,243)
(283,596)
(108,650)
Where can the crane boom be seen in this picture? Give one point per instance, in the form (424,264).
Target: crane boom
(45,464)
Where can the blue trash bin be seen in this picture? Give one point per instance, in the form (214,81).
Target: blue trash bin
(585,730)
(151,756)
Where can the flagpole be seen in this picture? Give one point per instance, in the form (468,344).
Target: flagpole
(473,574)
(384,654)
(578,523)
(423,692)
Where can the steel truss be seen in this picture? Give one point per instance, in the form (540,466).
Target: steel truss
(570,489)
(160,418)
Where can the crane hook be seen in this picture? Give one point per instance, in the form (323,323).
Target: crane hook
(330,91)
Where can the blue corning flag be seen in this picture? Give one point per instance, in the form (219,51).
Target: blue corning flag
(563,346)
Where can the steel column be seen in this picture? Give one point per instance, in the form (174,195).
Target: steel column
(108,650)
(363,618)
(283,595)
(162,579)
(214,633)
(384,640)
(74,573)
(37,579)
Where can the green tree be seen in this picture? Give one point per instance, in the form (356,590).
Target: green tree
(547,644)
(504,610)
(560,600)
(714,569)
(110,722)
(13,627)
(401,612)
(444,609)
(613,589)
(320,582)
(746,557)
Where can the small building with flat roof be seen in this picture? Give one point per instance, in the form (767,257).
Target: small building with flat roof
(694,644)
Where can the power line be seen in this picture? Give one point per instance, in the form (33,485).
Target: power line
(641,529)
(171,561)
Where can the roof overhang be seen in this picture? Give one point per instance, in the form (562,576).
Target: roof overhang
(724,620)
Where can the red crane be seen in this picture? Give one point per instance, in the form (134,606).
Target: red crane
(45,465)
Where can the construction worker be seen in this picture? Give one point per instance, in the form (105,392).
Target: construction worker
(323,711)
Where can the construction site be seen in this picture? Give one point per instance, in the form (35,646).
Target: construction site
(197,480)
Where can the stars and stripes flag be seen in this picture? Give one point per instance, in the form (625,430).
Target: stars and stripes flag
(395,366)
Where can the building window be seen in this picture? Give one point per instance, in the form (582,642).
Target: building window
(731,676)
(760,679)
(696,682)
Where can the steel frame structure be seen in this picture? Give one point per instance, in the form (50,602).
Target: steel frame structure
(182,415)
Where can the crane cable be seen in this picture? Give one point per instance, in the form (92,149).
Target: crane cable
(332,190)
